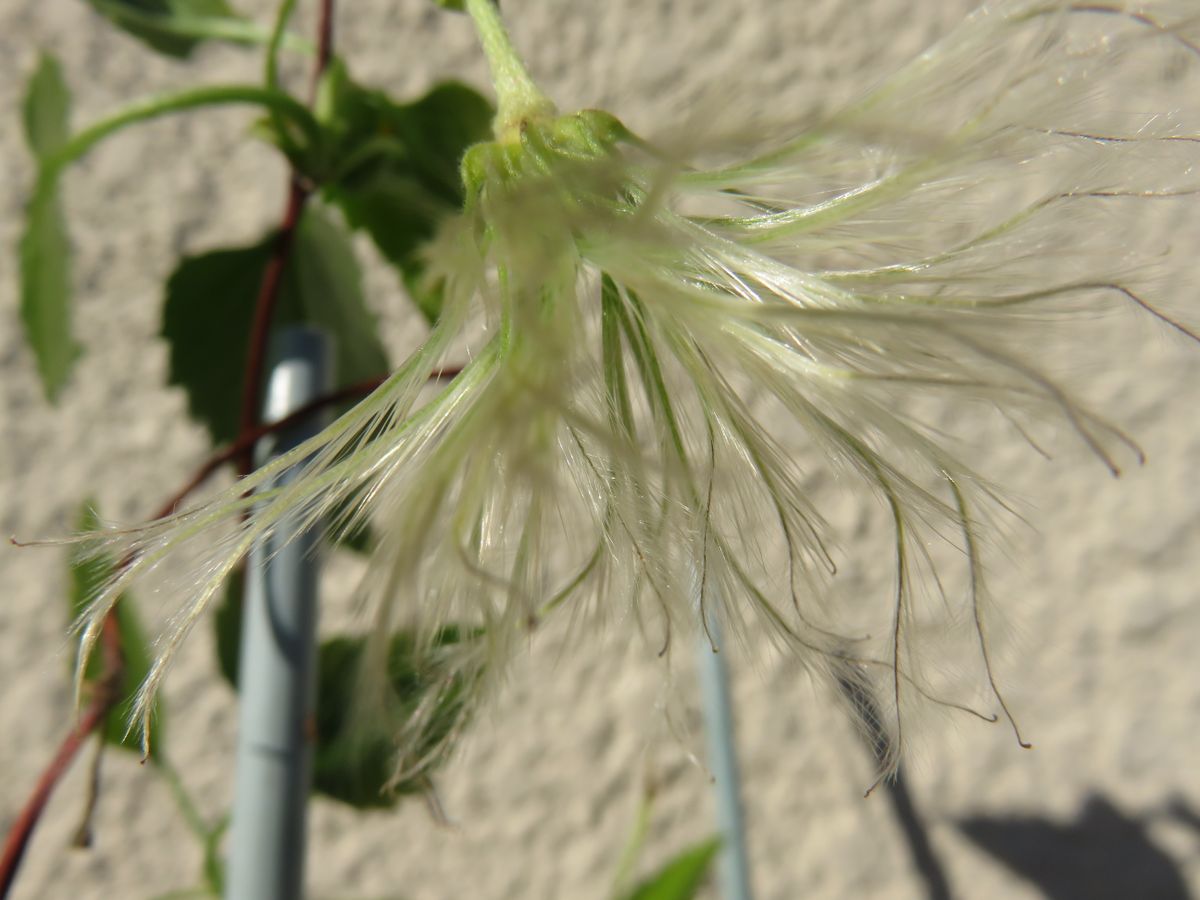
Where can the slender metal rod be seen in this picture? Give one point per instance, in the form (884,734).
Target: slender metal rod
(733,862)
(277,669)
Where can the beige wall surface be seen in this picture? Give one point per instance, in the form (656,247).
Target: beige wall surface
(1101,592)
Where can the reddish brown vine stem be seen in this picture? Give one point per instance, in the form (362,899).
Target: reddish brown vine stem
(107,693)
(299,190)
(245,443)
(324,45)
(264,311)
(107,689)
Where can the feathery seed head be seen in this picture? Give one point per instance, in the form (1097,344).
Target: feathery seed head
(648,336)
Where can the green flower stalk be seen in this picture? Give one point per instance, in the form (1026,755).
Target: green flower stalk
(652,335)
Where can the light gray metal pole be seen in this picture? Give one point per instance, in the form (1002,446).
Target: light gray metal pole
(277,670)
(733,862)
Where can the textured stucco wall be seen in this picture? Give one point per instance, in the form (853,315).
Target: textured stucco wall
(1101,664)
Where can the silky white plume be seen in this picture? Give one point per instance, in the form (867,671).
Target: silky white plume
(647,334)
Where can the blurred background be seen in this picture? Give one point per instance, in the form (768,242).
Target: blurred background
(1099,663)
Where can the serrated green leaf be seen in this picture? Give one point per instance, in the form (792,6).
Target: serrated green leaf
(88,573)
(351,764)
(47,108)
(393,168)
(206,321)
(175,27)
(682,877)
(210,306)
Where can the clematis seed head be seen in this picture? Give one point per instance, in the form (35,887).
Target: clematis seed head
(663,350)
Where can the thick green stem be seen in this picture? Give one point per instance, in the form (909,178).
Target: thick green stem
(518,99)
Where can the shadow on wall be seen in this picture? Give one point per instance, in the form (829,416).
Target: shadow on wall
(1102,854)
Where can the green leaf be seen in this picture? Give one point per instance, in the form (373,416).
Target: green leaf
(323,286)
(44,249)
(175,27)
(227,626)
(47,108)
(355,765)
(682,877)
(89,572)
(46,288)
(393,168)
(206,320)
(210,307)
(360,537)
